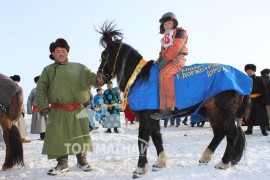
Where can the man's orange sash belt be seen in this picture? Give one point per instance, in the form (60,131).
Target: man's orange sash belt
(111,105)
(254,95)
(35,108)
(67,107)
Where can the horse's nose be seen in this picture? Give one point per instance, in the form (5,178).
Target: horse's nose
(99,80)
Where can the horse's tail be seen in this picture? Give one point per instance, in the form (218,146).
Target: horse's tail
(239,146)
(243,112)
(16,147)
(244,109)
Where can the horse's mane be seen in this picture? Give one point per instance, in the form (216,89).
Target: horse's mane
(109,34)
(122,57)
(129,58)
(145,72)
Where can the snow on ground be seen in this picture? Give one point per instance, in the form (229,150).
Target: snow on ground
(115,156)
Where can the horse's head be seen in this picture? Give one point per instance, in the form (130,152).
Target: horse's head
(111,40)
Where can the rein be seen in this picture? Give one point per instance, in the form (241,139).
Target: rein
(105,76)
(132,78)
(115,61)
(131,81)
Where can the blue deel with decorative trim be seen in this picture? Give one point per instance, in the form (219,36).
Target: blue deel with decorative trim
(193,84)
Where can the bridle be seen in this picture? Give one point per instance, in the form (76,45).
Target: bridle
(100,71)
(130,81)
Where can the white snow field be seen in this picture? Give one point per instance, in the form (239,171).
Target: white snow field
(115,156)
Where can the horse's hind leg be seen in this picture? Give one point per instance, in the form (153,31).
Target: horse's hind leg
(236,142)
(143,143)
(157,140)
(228,106)
(219,134)
(5,123)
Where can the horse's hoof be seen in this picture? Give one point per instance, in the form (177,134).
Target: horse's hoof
(206,157)
(221,165)
(137,175)
(140,171)
(156,168)
(202,163)
(162,162)
(6,167)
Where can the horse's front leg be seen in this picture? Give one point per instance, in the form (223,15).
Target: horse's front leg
(5,123)
(143,143)
(162,159)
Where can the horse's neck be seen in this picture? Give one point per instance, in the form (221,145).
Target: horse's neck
(125,74)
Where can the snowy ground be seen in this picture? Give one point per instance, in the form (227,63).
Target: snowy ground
(115,156)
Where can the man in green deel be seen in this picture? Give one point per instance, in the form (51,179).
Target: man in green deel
(62,89)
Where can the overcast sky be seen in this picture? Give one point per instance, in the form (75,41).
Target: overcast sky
(233,32)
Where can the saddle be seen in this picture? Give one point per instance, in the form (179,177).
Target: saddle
(8,89)
(193,85)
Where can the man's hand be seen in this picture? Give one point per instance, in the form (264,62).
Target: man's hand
(179,61)
(159,59)
(45,112)
(162,64)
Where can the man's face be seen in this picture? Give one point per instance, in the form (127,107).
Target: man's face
(89,87)
(250,72)
(109,86)
(60,54)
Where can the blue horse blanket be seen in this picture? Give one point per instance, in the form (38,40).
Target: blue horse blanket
(193,84)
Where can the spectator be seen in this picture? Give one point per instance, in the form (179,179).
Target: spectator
(265,76)
(88,107)
(64,85)
(129,116)
(98,101)
(197,119)
(258,113)
(1,135)
(38,124)
(172,121)
(119,98)
(111,98)
(185,120)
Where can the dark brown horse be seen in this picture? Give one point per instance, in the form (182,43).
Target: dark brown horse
(120,60)
(10,109)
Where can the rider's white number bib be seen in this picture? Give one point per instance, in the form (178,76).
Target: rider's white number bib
(167,40)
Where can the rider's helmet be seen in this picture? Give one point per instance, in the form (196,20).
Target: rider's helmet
(167,17)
